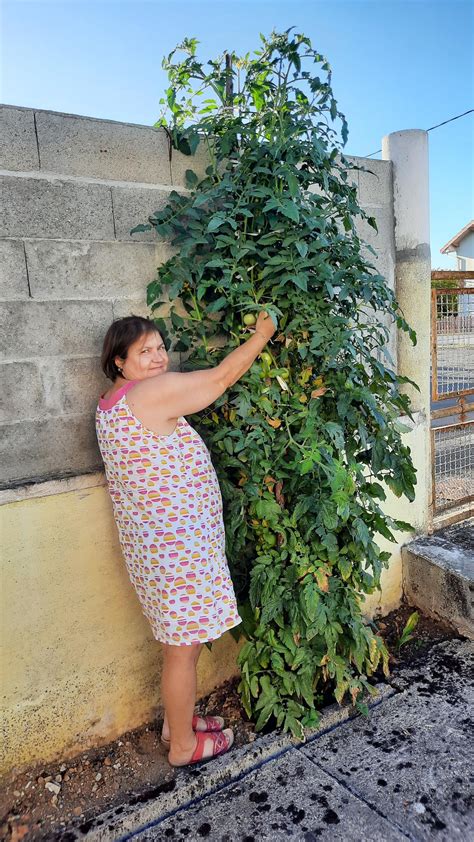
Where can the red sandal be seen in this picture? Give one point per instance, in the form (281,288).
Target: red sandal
(221,742)
(210,723)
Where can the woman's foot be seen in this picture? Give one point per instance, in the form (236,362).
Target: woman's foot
(199,723)
(208,744)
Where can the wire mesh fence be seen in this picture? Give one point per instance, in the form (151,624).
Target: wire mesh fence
(452,342)
(453,449)
(452,392)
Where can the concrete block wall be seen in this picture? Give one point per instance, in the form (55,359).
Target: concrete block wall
(375,196)
(72,188)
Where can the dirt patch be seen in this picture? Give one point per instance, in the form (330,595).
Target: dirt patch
(42,803)
(427,632)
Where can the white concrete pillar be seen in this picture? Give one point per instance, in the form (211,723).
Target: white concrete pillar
(408,151)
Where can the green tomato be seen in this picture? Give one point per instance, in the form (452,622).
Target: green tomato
(270,539)
(266,358)
(284,373)
(249,319)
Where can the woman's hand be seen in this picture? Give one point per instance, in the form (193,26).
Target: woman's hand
(265,325)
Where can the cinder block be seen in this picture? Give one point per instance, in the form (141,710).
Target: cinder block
(74,269)
(70,386)
(132,206)
(131,307)
(84,146)
(383,261)
(376,187)
(369,317)
(13,276)
(65,328)
(22,392)
(352,177)
(316,189)
(47,449)
(352,174)
(50,207)
(197,162)
(174,363)
(18,146)
(383,239)
(79,384)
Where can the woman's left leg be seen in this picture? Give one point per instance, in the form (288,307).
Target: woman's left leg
(197,649)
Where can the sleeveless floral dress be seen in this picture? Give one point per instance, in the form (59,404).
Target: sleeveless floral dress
(168,510)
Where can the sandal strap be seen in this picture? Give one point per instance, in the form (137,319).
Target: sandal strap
(219,740)
(212,723)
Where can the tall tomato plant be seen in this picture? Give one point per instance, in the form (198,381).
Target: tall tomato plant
(301,442)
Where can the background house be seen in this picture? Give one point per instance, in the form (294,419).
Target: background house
(462,244)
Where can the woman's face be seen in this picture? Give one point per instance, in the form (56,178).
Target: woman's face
(146,357)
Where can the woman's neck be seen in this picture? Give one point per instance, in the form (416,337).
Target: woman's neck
(119,383)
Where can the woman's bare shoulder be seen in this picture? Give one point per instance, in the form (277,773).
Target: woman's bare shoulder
(152,391)
(151,385)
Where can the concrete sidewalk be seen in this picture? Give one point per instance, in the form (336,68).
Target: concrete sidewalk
(405,772)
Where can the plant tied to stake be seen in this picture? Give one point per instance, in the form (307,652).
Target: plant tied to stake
(301,442)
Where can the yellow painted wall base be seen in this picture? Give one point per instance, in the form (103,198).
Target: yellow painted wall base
(79,663)
(417,513)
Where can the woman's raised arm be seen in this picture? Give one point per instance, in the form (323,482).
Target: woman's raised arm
(185,393)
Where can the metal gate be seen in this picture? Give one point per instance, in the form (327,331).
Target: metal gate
(452,398)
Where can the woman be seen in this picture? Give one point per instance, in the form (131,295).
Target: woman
(168,509)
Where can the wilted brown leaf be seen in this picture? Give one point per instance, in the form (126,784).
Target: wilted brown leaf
(279,493)
(354,691)
(269,482)
(316,393)
(322,580)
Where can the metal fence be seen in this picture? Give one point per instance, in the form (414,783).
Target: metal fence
(452,391)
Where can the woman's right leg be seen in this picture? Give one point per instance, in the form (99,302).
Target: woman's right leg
(178,683)
(179,697)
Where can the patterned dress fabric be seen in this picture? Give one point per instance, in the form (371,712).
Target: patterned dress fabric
(168,510)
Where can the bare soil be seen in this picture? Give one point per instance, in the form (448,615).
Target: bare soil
(42,802)
(427,632)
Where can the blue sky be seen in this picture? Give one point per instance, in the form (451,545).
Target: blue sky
(397,64)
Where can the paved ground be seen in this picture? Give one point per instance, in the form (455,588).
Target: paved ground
(403,773)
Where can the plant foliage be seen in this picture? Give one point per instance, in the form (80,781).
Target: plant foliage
(407,633)
(302,442)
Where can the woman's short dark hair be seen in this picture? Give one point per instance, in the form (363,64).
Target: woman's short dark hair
(121,334)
